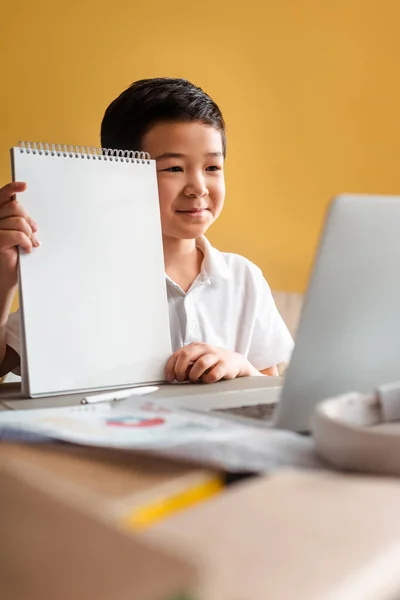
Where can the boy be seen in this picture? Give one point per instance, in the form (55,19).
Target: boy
(224,323)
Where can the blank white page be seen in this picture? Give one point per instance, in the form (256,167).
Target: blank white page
(94,308)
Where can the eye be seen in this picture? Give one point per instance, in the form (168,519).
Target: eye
(213,168)
(173,169)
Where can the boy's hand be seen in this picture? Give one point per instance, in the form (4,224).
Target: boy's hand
(200,362)
(16,229)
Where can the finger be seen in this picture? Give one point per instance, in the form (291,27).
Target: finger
(20,224)
(8,192)
(182,367)
(186,355)
(202,365)
(17,224)
(16,209)
(220,371)
(170,367)
(9,239)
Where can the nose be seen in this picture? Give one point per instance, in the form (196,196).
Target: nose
(195,186)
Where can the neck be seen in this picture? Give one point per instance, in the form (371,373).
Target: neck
(177,250)
(182,261)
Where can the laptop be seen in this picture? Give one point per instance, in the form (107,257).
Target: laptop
(349,333)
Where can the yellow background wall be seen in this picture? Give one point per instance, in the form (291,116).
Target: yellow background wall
(310,90)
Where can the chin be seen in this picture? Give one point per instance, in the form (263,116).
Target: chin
(193,230)
(192,235)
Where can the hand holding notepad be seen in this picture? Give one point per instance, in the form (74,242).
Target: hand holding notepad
(17,228)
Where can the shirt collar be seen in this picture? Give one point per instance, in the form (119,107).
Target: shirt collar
(214,264)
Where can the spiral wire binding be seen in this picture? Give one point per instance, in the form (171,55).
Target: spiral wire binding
(70,151)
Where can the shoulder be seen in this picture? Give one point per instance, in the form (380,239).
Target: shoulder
(237,271)
(228,264)
(238,264)
(244,272)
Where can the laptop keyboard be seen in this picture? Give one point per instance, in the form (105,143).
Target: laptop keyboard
(260,412)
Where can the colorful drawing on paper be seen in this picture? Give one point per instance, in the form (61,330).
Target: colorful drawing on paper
(134,422)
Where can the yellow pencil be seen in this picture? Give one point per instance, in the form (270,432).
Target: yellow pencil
(146,514)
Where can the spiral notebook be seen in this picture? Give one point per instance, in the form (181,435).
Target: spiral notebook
(94,311)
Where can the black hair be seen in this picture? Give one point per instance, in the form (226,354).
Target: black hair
(150,101)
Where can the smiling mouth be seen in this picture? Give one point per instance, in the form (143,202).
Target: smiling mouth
(192,211)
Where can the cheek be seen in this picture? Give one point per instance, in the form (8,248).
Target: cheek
(218,192)
(166,195)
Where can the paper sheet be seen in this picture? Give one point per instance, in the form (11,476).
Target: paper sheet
(137,424)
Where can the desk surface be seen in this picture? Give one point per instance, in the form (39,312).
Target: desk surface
(293,535)
(248,391)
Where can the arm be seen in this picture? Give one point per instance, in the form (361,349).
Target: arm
(271,343)
(16,229)
(9,359)
(271,371)
(10,362)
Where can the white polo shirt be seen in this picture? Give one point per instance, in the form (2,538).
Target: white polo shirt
(229,305)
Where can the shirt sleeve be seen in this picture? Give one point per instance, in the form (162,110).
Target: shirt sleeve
(271,342)
(13,338)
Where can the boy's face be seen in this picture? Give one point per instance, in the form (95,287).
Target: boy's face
(190,174)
